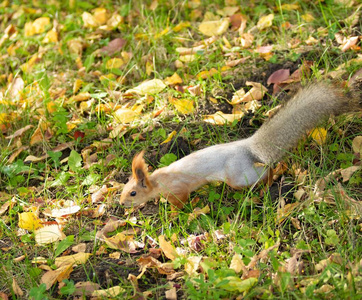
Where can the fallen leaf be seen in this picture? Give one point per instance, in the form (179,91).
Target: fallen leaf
(167,248)
(78,258)
(192,264)
(308,17)
(169,138)
(113,46)
(89,20)
(348,172)
(265,22)
(29,221)
(114,63)
(278,76)
(125,115)
(219,118)
(211,28)
(153,86)
(16,288)
(173,80)
(38,26)
(357,145)
(109,293)
(319,135)
(50,277)
(184,106)
(49,234)
(237,263)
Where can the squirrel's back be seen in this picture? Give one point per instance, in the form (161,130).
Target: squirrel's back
(300,114)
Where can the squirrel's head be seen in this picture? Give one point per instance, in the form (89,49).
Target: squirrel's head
(138,189)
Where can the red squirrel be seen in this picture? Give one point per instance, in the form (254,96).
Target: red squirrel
(241,163)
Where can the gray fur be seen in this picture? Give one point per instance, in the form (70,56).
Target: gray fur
(299,115)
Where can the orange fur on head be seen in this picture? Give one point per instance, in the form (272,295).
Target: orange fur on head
(139,168)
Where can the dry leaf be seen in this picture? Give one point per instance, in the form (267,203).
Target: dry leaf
(167,248)
(36,27)
(173,80)
(357,145)
(265,22)
(78,258)
(237,263)
(19,132)
(348,172)
(29,221)
(16,288)
(278,76)
(211,28)
(113,46)
(114,63)
(219,118)
(192,264)
(50,277)
(109,293)
(49,234)
(153,86)
(184,106)
(125,115)
(319,135)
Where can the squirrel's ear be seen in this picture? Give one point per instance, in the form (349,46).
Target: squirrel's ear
(139,168)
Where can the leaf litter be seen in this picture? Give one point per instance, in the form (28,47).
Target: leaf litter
(102,78)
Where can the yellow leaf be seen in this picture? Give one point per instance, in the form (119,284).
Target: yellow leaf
(308,17)
(77,85)
(51,107)
(206,74)
(36,27)
(169,138)
(51,37)
(319,135)
(89,20)
(78,258)
(153,86)
(184,106)
(100,15)
(80,97)
(29,221)
(174,79)
(114,63)
(108,293)
(265,22)
(162,33)
(211,28)
(28,66)
(187,58)
(125,115)
(167,248)
(75,46)
(219,118)
(290,6)
(181,26)
(115,21)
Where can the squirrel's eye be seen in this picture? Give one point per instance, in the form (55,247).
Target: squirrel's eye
(133,193)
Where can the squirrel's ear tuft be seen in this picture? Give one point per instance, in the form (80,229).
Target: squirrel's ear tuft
(139,167)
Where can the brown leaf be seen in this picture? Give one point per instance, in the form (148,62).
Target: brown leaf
(50,277)
(278,76)
(85,288)
(113,46)
(167,248)
(16,288)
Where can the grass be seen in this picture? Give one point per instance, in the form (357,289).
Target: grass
(282,242)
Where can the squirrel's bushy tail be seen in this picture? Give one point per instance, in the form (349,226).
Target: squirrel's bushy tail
(299,115)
